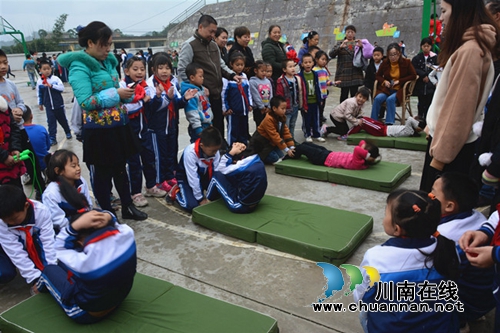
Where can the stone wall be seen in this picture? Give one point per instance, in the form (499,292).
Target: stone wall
(298,16)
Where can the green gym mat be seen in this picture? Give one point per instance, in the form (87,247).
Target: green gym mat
(384,176)
(153,305)
(307,230)
(408,143)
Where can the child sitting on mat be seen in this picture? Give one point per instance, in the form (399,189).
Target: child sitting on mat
(97,263)
(346,113)
(272,139)
(364,155)
(241,183)
(377,128)
(195,170)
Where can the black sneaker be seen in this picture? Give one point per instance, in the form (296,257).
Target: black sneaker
(131,213)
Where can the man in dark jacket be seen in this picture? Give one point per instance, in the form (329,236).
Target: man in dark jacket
(202,49)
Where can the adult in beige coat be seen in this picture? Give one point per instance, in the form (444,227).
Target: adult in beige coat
(471,37)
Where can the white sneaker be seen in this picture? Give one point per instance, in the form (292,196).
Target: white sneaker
(320,139)
(138,200)
(309,139)
(155,192)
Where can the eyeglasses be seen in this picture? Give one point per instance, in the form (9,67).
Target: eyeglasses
(393,55)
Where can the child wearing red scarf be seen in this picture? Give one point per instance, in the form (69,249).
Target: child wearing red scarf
(163,117)
(143,162)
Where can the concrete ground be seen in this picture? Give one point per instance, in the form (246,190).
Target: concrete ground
(171,247)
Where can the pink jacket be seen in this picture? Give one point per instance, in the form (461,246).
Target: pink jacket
(350,161)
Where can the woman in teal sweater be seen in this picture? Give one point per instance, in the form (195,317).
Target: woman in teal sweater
(107,137)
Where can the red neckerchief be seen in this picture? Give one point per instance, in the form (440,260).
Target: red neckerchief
(30,245)
(140,92)
(426,54)
(242,92)
(209,163)
(166,86)
(44,80)
(496,237)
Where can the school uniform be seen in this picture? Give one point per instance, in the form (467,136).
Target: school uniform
(28,246)
(144,161)
(194,173)
(94,277)
(163,120)
(241,185)
(490,228)
(61,211)
(475,284)
(51,98)
(397,260)
(237,97)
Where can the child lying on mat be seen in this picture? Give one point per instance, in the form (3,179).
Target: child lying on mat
(240,180)
(364,155)
(377,128)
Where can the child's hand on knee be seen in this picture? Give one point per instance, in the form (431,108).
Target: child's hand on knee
(291,152)
(204,202)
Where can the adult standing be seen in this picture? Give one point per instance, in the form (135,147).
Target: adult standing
(493,7)
(312,39)
(107,137)
(470,33)
(221,36)
(351,77)
(392,75)
(242,38)
(273,51)
(118,67)
(202,49)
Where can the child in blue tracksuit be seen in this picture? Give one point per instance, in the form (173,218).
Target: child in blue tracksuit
(198,111)
(163,119)
(311,117)
(96,255)
(63,167)
(196,168)
(26,237)
(237,102)
(96,269)
(242,183)
(417,254)
(143,162)
(48,90)
(482,248)
(458,194)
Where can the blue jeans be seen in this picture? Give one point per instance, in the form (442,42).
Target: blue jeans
(31,76)
(291,119)
(390,101)
(274,156)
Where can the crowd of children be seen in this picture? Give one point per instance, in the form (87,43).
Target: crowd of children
(57,244)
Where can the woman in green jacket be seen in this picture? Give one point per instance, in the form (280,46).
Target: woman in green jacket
(273,51)
(107,137)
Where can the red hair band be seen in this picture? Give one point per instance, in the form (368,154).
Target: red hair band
(416,209)
(432,196)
